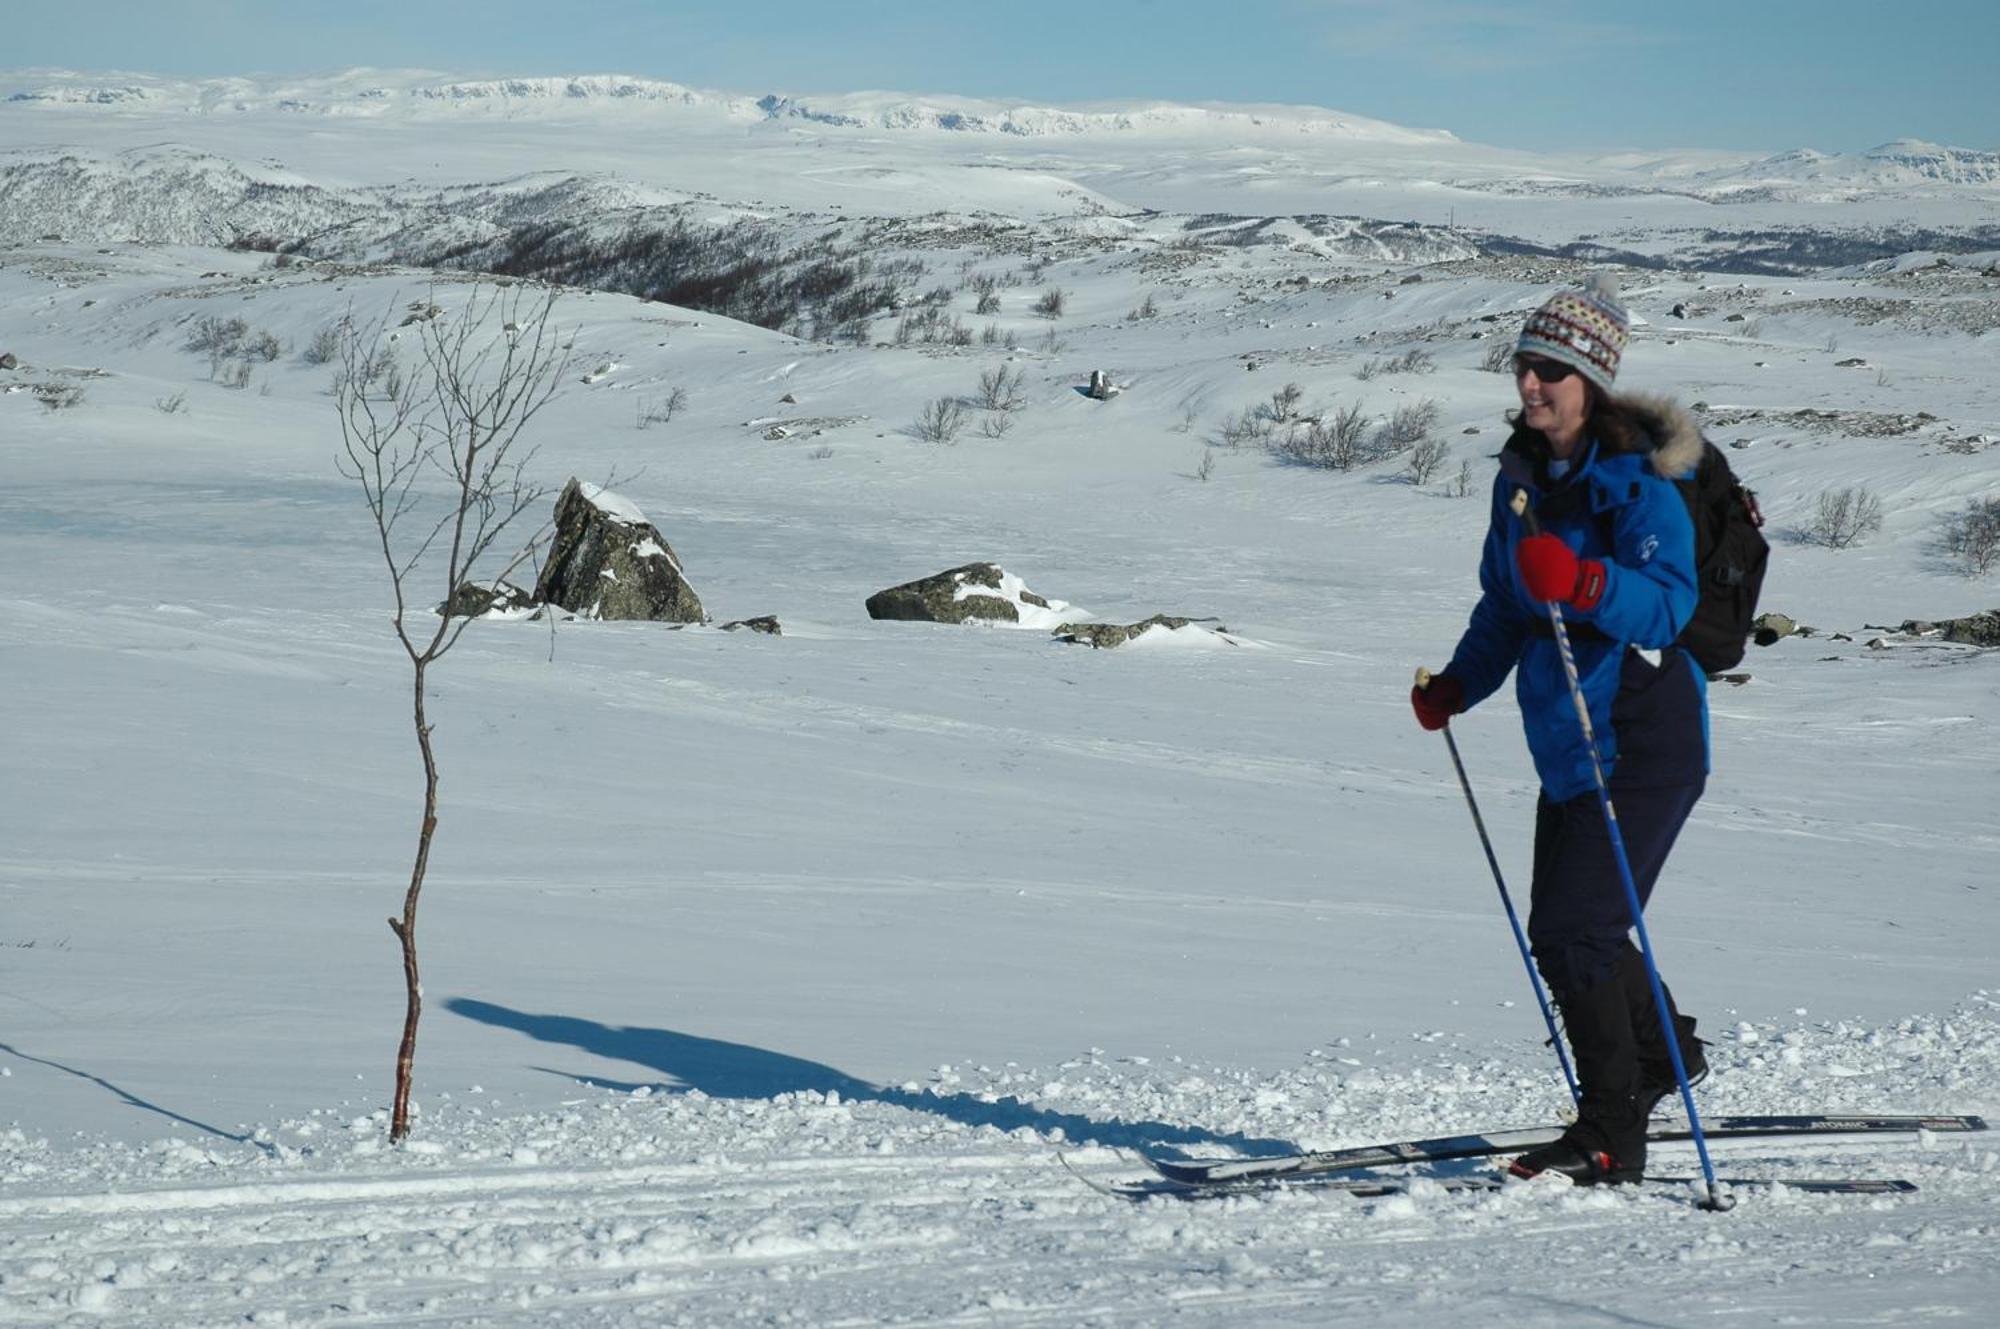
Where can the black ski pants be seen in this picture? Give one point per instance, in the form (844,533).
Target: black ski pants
(1578,920)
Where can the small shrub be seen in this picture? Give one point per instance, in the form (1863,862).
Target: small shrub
(1000,389)
(1051,303)
(1844,517)
(1249,427)
(661,410)
(1409,426)
(213,335)
(1417,361)
(989,304)
(996,426)
(59,396)
(1206,467)
(1461,484)
(941,421)
(1972,538)
(1148,308)
(1426,459)
(237,376)
(1499,355)
(172,405)
(1284,403)
(323,347)
(1332,443)
(820,453)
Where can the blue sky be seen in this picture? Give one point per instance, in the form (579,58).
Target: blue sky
(1839,75)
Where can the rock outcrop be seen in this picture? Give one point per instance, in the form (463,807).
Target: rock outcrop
(1981,629)
(975,591)
(471,600)
(609,562)
(1105,636)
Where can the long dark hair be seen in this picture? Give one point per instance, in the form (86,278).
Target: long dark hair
(1608,420)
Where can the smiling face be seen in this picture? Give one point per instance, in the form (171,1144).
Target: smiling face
(1556,406)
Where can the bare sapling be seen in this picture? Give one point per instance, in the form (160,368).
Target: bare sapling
(442,465)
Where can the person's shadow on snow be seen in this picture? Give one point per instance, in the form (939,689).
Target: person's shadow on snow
(736,1070)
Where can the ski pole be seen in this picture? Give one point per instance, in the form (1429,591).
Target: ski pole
(1714,1200)
(1507,902)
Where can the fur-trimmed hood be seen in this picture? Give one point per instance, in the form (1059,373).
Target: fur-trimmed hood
(1665,430)
(1642,422)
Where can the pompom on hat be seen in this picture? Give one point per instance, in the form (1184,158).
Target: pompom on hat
(1586,329)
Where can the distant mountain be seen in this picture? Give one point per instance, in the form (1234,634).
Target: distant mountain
(1905,162)
(377,92)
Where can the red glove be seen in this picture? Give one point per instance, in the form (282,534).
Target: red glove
(1436,704)
(1552,571)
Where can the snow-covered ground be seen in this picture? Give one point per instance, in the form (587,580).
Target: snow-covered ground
(766,976)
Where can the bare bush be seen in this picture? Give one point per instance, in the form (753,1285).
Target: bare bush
(1148,308)
(1284,403)
(1461,484)
(231,339)
(1206,467)
(1972,538)
(172,404)
(660,410)
(1427,457)
(236,375)
(59,396)
(324,346)
(1844,517)
(1418,361)
(1409,426)
(941,421)
(1051,303)
(996,426)
(933,325)
(1331,443)
(1499,355)
(212,334)
(443,472)
(989,304)
(1250,427)
(1000,388)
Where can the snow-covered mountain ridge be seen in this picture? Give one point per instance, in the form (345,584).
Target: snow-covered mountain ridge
(376,93)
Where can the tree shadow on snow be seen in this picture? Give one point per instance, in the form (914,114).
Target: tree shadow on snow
(235,1137)
(736,1070)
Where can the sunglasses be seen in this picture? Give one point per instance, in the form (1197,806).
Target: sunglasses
(1546,371)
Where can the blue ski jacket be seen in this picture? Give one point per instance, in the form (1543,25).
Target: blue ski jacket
(1617,503)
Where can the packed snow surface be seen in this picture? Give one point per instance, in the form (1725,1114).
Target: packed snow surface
(767,976)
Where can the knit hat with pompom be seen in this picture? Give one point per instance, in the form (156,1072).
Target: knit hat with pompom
(1585,328)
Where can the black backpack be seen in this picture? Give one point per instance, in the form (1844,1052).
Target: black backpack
(1729,554)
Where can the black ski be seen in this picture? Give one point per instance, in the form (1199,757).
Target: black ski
(1379,1187)
(1200,1172)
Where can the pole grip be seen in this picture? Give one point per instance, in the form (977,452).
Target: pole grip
(1423,679)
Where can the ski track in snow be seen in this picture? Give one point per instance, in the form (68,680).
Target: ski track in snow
(811,1209)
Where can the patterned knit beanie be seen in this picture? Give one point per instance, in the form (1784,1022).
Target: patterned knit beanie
(1587,329)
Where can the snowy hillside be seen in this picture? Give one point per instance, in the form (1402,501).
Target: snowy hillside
(767,975)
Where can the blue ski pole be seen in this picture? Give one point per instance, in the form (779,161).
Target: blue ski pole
(1714,1199)
(1507,902)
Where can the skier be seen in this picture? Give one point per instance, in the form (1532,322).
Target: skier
(1616,551)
